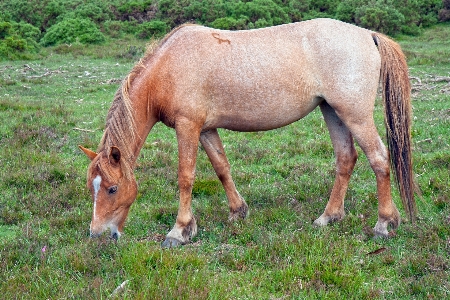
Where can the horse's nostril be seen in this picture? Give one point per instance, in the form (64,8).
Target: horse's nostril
(115,236)
(94,235)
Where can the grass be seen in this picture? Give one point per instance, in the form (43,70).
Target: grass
(285,175)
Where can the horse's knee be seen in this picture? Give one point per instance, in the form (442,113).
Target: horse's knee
(185,181)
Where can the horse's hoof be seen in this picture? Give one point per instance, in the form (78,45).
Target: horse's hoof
(383,224)
(321,221)
(380,234)
(381,229)
(171,243)
(240,213)
(324,219)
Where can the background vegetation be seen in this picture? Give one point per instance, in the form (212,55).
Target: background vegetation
(59,98)
(26,25)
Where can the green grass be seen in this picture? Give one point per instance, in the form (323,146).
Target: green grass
(285,175)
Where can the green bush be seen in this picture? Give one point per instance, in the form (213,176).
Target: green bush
(390,16)
(224,23)
(296,9)
(380,17)
(13,47)
(152,29)
(207,11)
(327,7)
(419,14)
(73,30)
(346,10)
(229,23)
(5,28)
(95,12)
(444,15)
(267,12)
(27,31)
(130,7)
(18,38)
(113,28)
(172,11)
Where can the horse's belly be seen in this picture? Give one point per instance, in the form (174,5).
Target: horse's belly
(260,115)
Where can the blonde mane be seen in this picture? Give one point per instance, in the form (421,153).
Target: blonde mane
(120,130)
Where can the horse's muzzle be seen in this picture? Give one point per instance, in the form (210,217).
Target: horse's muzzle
(94,235)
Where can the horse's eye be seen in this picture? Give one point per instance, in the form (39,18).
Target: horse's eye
(112,190)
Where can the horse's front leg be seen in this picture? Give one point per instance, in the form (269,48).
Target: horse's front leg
(185,226)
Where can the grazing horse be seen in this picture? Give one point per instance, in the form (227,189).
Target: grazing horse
(199,79)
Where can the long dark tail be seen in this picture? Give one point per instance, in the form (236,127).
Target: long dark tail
(398,117)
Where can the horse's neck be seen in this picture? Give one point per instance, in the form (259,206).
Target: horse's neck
(144,117)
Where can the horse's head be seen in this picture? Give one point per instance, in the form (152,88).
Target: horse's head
(112,191)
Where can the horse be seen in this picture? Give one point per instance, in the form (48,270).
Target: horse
(199,79)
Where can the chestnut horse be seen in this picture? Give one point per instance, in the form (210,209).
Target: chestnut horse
(199,79)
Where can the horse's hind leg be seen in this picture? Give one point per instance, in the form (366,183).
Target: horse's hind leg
(364,131)
(212,144)
(346,156)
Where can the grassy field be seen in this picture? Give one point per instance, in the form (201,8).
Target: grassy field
(49,106)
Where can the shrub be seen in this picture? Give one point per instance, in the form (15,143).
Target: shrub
(113,28)
(444,13)
(4,29)
(267,11)
(13,47)
(379,17)
(73,30)
(207,11)
(229,23)
(140,11)
(172,11)
(224,23)
(95,12)
(346,10)
(420,13)
(260,23)
(16,39)
(27,31)
(390,16)
(296,9)
(152,29)
(324,6)
(24,11)
(130,7)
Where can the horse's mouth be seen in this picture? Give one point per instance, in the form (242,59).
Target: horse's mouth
(115,234)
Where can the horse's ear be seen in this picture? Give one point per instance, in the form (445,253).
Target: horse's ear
(89,153)
(114,156)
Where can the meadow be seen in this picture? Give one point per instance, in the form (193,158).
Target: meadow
(51,105)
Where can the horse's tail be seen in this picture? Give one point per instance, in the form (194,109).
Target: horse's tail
(398,117)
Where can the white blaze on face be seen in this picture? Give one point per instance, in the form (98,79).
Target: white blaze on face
(96,184)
